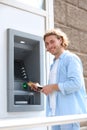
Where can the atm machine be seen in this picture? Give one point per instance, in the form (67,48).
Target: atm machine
(24,64)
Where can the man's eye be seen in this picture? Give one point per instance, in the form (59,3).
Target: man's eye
(52,41)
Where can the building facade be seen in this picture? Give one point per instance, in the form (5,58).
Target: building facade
(71,16)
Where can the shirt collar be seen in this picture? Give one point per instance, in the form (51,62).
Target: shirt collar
(62,55)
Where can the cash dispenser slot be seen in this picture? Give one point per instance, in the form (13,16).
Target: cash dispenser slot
(23,98)
(24,64)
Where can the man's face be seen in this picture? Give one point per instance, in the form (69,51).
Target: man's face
(53,44)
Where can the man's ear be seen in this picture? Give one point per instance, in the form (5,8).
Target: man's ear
(61,41)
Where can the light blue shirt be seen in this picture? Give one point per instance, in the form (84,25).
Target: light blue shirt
(71,97)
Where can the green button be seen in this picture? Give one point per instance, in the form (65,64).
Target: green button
(25,85)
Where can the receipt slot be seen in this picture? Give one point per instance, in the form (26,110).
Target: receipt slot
(24,63)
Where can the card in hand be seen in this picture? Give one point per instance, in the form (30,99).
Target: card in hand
(35,86)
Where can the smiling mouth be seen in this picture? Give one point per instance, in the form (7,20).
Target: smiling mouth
(52,50)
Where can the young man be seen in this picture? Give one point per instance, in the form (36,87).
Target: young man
(66,88)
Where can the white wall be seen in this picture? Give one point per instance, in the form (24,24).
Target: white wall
(24,21)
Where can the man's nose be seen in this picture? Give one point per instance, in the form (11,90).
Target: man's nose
(49,46)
